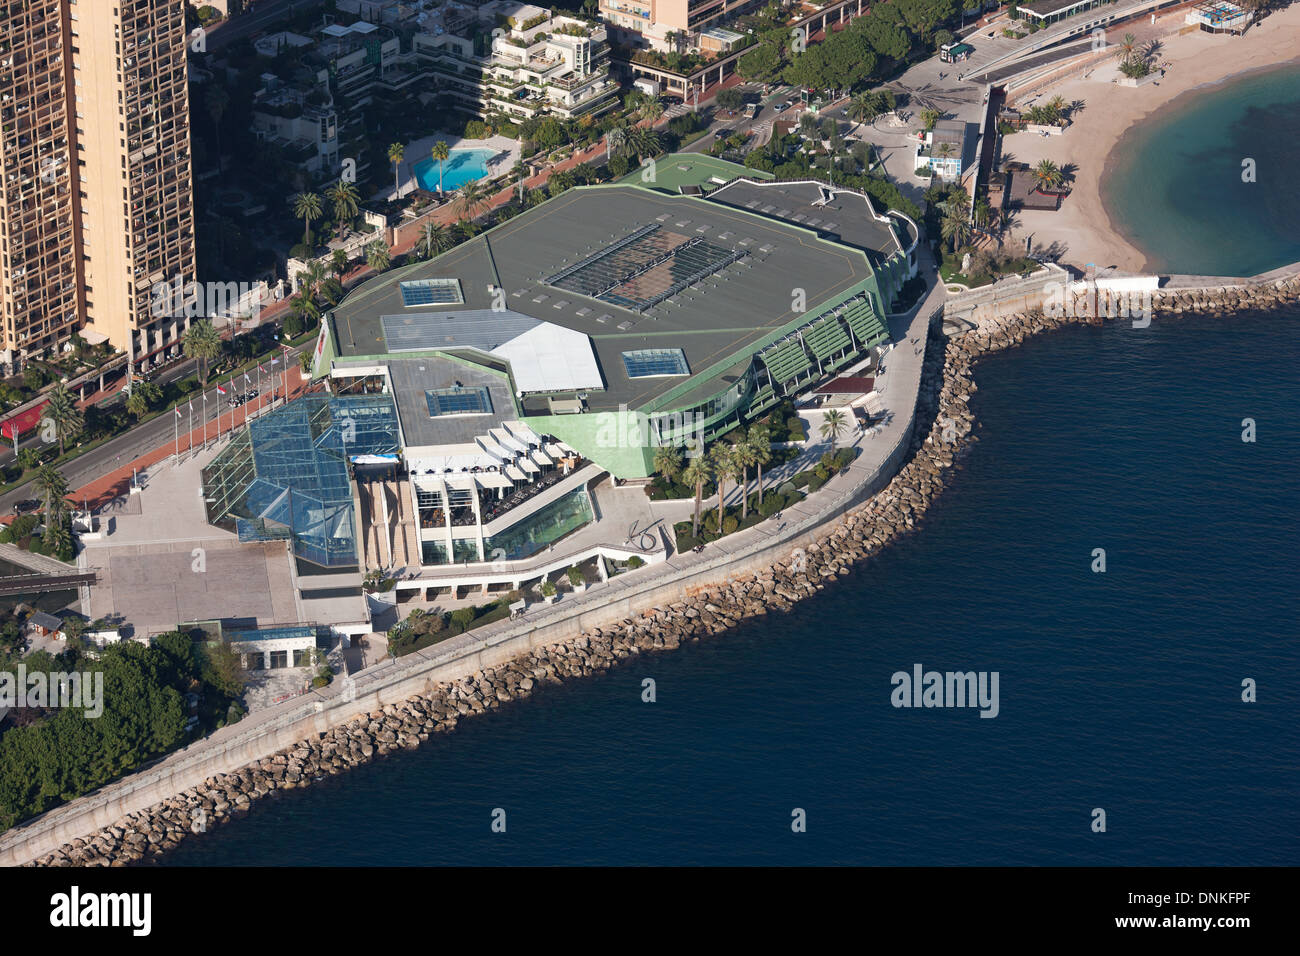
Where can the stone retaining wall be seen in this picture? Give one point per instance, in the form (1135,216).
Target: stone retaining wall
(455,681)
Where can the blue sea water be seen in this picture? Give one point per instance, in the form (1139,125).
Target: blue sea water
(1177,185)
(460,166)
(1120,690)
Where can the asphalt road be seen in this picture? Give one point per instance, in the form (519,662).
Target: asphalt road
(262,15)
(153,434)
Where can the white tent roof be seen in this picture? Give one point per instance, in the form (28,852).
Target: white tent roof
(551,358)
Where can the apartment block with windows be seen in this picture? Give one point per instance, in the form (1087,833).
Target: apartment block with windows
(522,60)
(39,274)
(667,25)
(97,204)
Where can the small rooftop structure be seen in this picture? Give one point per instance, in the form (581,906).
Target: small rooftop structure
(1219,16)
(45,624)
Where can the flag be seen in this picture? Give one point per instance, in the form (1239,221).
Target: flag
(247,379)
(275,361)
(178,413)
(260,369)
(191,406)
(221,390)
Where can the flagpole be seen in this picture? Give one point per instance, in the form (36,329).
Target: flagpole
(191,431)
(205,420)
(176,428)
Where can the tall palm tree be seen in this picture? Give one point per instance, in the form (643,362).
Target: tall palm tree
(305,305)
(396,153)
(470,199)
(652,109)
(339,263)
(697,474)
(307,207)
(66,417)
(955,228)
(201,342)
(440,154)
(435,240)
(615,139)
(760,442)
(745,458)
(346,201)
(723,461)
(216,101)
(52,487)
(834,424)
(377,256)
(668,461)
(983,212)
(313,277)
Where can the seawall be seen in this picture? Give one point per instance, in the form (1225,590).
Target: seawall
(399,703)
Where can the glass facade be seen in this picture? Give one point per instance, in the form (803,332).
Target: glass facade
(545,527)
(286,473)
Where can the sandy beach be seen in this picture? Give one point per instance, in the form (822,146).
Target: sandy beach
(1081,228)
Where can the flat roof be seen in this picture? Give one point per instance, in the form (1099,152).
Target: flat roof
(848,217)
(412,377)
(587,235)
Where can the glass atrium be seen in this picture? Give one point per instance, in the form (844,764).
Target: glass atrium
(285,475)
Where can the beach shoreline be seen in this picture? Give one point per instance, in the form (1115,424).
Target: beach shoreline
(1083,231)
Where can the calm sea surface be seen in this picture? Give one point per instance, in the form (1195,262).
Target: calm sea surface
(1176,185)
(1119,691)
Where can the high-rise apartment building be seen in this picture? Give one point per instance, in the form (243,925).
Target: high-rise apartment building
(96,207)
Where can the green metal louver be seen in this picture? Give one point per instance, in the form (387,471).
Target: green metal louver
(866,324)
(826,336)
(786,360)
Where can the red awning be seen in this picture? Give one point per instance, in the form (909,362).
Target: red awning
(23,422)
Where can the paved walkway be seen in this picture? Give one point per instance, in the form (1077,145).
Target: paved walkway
(34,562)
(117,482)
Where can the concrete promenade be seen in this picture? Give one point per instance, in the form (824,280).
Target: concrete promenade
(624,596)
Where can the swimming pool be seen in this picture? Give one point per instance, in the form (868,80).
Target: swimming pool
(462,166)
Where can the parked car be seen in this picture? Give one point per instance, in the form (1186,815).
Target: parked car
(784,106)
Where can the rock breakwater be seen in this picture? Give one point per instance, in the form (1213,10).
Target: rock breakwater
(944,427)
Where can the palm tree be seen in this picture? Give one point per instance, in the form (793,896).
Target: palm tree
(339,263)
(1047,175)
(668,461)
(304,304)
(396,153)
(759,440)
(52,487)
(697,473)
(307,207)
(955,227)
(63,412)
(347,201)
(28,458)
(929,117)
(377,256)
(652,109)
(435,240)
(470,199)
(834,424)
(201,342)
(983,212)
(862,108)
(216,101)
(614,139)
(745,458)
(440,153)
(313,277)
(1127,47)
(723,461)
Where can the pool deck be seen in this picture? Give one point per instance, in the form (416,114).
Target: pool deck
(421,149)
